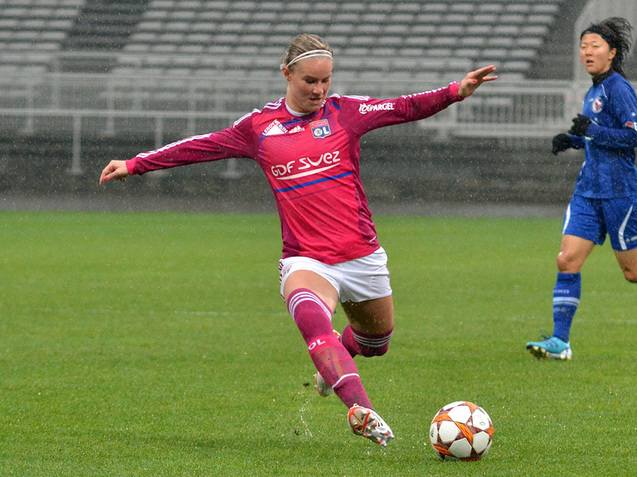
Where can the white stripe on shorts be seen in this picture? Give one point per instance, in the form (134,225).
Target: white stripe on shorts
(622,229)
(567,218)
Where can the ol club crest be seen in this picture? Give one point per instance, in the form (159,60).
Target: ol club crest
(320,129)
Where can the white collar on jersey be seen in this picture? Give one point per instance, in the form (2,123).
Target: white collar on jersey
(295,113)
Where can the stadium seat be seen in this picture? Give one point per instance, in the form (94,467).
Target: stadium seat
(35,29)
(250,33)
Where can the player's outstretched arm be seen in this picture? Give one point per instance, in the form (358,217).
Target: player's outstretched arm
(474,79)
(114,170)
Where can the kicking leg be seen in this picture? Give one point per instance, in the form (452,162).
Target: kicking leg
(371,324)
(312,314)
(312,311)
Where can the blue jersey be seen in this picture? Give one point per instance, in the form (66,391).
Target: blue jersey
(609,168)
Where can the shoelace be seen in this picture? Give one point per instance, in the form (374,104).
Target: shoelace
(545,336)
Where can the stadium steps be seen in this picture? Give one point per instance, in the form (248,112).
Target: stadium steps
(102,26)
(31,33)
(555,56)
(410,33)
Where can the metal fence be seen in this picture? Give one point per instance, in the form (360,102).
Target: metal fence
(79,106)
(523,102)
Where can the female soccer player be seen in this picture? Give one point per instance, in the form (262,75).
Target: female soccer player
(605,196)
(308,145)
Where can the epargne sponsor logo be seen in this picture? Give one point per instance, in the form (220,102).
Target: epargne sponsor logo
(368,108)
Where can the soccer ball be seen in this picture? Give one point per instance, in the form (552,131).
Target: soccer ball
(461,430)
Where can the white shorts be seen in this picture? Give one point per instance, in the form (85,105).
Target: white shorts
(361,279)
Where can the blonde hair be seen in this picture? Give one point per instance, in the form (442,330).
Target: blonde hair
(305,45)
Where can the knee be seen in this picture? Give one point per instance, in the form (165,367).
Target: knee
(630,275)
(561,261)
(567,263)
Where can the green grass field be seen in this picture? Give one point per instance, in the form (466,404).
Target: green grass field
(156,344)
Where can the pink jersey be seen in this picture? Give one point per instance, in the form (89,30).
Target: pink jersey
(311,163)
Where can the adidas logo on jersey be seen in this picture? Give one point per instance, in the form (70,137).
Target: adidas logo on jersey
(297,129)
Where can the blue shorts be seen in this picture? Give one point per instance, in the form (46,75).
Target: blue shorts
(592,219)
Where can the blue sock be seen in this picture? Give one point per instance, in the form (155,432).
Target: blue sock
(566,295)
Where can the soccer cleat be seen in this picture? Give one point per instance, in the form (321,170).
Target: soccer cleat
(367,423)
(552,348)
(321,386)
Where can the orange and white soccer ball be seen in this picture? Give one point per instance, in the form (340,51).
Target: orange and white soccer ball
(461,430)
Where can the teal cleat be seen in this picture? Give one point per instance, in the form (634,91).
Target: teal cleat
(552,348)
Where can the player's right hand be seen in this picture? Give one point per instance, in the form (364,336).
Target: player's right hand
(561,142)
(114,170)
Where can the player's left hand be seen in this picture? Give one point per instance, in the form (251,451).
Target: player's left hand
(114,170)
(474,79)
(580,125)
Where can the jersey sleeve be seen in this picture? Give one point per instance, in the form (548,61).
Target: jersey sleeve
(577,142)
(234,141)
(365,114)
(624,106)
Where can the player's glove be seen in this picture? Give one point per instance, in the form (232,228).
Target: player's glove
(580,125)
(561,142)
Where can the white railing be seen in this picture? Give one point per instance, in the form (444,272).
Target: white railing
(505,102)
(168,108)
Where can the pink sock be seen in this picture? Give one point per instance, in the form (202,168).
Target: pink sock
(332,360)
(365,344)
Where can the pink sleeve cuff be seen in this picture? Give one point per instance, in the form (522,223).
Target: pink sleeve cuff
(453,88)
(130,165)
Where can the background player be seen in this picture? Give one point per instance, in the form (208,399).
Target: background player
(308,146)
(605,196)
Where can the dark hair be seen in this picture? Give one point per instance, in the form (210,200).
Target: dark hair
(616,31)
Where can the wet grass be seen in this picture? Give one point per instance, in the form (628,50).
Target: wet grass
(155,344)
